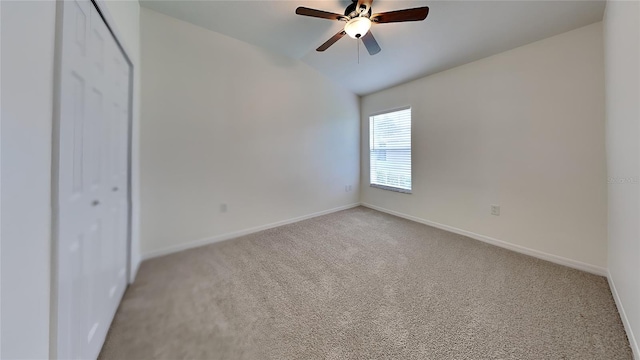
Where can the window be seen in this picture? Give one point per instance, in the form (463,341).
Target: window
(390,150)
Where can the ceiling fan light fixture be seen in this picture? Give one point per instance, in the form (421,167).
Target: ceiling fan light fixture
(357,27)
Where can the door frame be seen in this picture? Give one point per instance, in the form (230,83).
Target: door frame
(102,9)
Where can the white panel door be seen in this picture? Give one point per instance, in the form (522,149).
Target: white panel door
(92,195)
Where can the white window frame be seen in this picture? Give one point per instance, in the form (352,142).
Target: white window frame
(385,187)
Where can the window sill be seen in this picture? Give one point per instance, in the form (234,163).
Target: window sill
(390,188)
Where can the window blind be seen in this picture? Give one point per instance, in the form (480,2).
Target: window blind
(390,150)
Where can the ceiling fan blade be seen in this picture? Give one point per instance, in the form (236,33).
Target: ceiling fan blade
(331,41)
(370,43)
(366,4)
(318,13)
(416,14)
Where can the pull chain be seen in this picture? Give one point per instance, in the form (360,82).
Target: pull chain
(358,46)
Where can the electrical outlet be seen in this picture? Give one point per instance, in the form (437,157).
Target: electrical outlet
(223,208)
(495,210)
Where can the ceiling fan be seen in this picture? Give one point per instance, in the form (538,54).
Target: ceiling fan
(359,18)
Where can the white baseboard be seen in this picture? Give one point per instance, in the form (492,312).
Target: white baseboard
(597,270)
(235,234)
(623,316)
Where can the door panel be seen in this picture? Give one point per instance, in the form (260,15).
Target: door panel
(92,195)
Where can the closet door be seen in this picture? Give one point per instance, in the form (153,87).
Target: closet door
(92,194)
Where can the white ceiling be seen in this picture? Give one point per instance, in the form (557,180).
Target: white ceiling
(454,33)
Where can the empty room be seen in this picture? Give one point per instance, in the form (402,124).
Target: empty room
(306,179)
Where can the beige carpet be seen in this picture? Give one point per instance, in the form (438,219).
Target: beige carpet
(360,284)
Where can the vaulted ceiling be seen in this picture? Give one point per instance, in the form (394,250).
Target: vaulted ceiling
(454,33)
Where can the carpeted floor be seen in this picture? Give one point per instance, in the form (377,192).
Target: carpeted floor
(360,284)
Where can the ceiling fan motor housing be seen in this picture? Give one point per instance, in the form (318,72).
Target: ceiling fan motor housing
(351,12)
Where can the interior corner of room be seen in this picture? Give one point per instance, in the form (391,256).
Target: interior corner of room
(528,141)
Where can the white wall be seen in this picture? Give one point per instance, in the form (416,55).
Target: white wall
(27,46)
(622,63)
(27,40)
(227,122)
(523,129)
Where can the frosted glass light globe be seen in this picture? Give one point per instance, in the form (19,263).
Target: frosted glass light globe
(357,27)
